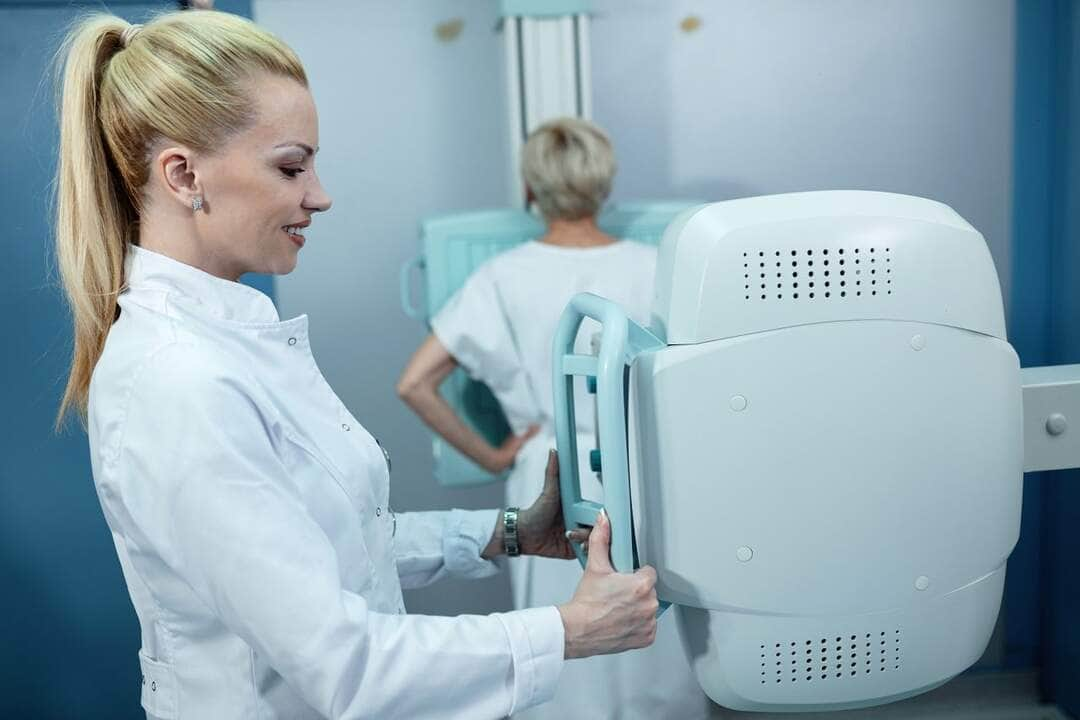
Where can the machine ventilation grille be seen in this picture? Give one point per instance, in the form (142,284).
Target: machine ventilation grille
(830,659)
(842,273)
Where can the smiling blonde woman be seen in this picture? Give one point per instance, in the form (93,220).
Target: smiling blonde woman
(248,506)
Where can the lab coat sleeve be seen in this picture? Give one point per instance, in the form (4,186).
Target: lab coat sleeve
(208,491)
(429,546)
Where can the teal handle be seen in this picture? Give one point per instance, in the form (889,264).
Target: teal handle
(621,340)
(405,288)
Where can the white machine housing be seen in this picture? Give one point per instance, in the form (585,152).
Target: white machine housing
(826,459)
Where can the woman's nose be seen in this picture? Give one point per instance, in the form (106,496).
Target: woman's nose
(317,199)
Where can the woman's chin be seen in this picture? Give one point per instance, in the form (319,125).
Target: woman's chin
(285,264)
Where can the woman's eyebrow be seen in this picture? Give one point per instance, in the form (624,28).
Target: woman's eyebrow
(308,150)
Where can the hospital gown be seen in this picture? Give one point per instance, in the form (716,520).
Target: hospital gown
(499,327)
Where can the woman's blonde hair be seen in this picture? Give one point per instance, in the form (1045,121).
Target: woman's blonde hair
(568,165)
(184,76)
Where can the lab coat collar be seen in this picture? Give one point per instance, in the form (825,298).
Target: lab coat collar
(148,271)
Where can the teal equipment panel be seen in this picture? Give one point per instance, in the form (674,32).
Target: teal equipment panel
(452,246)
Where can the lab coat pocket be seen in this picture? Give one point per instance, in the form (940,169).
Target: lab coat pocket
(311,465)
(158,688)
(362,466)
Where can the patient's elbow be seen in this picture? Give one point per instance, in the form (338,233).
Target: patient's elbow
(410,389)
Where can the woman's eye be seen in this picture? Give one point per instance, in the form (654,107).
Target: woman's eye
(292,172)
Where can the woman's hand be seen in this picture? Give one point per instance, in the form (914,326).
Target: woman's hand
(610,611)
(503,456)
(541,530)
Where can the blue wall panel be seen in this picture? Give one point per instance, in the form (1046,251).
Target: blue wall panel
(68,634)
(1045,329)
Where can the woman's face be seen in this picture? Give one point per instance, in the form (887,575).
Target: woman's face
(260,191)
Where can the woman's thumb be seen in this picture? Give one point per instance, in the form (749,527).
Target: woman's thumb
(600,545)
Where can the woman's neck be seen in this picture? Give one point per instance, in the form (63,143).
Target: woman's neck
(174,236)
(576,233)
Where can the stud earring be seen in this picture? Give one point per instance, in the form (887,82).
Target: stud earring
(196,203)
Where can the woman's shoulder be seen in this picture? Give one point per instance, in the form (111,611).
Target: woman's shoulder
(176,370)
(527,252)
(638,249)
(145,337)
(177,378)
(507,266)
(510,270)
(535,251)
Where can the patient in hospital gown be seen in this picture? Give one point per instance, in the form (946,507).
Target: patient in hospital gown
(499,327)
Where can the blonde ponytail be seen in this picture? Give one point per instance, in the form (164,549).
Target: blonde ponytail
(94,217)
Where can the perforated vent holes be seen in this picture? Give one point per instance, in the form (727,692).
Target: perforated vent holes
(842,273)
(830,659)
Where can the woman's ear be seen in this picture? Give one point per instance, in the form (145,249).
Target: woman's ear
(175,165)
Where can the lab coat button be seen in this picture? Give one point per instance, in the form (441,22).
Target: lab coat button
(345,427)
(378,512)
(292,341)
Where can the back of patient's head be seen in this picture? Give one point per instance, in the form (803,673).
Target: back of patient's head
(568,165)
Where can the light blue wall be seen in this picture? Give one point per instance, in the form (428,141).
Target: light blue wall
(410,125)
(908,96)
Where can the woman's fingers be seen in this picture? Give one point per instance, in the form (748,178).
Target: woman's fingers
(581,535)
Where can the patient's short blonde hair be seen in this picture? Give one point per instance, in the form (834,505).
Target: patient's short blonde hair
(568,164)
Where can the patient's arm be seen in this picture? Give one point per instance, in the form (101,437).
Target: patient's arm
(418,387)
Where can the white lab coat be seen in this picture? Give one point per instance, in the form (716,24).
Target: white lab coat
(249,510)
(499,327)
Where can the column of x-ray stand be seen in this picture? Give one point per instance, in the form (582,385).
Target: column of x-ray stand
(547,68)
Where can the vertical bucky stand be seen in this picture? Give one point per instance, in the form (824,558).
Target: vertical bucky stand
(546,46)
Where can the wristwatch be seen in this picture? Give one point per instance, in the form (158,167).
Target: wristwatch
(510,532)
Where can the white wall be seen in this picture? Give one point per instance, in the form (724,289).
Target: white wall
(767,96)
(410,125)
